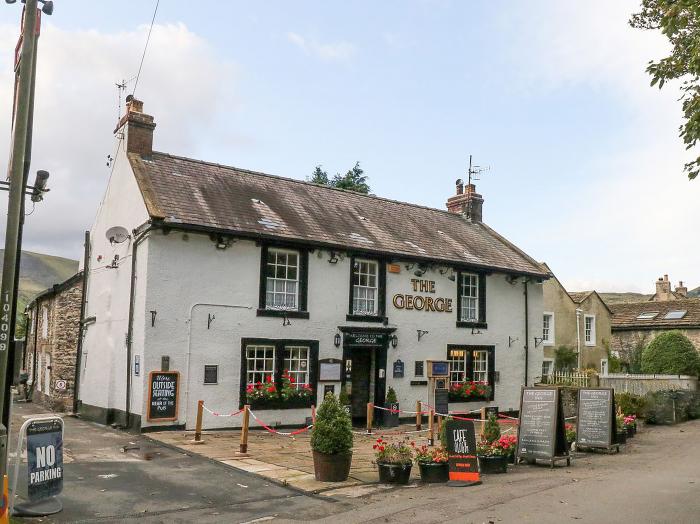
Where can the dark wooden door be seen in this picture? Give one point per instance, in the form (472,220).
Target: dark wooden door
(361,364)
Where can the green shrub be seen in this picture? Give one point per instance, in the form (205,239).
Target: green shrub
(670,406)
(391,396)
(631,404)
(672,353)
(343,397)
(332,431)
(492,431)
(565,358)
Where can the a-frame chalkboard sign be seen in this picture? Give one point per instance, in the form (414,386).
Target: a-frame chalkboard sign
(541,434)
(596,426)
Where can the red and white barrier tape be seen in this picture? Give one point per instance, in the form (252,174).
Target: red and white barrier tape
(232,414)
(281,433)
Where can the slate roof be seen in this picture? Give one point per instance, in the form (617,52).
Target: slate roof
(192,193)
(625,315)
(579,296)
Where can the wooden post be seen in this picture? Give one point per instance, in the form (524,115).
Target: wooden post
(370,413)
(419,415)
(198,425)
(483,418)
(431,420)
(244,429)
(313,414)
(439,421)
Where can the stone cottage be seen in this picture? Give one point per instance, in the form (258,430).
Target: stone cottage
(53,325)
(664,292)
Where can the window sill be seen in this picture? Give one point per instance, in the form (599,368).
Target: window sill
(548,343)
(364,318)
(480,325)
(590,344)
(282,313)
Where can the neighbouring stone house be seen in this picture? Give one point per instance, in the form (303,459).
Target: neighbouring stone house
(635,324)
(664,292)
(53,325)
(579,320)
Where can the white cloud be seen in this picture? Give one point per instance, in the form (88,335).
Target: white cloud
(331,52)
(182,84)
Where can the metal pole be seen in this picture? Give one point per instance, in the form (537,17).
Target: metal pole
(14,209)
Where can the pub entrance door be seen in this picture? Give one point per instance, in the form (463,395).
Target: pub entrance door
(360,385)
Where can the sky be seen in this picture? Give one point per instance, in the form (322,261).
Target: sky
(585,163)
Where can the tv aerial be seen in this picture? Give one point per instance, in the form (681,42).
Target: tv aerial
(475,171)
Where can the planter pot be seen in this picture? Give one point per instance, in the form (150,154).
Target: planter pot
(621,437)
(434,472)
(278,403)
(630,432)
(389,419)
(511,459)
(332,468)
(497,464)
(394,473)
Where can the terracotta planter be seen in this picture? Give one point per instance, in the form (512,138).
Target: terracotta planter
(394,473)
(431,472)
(494,464)
(332,468)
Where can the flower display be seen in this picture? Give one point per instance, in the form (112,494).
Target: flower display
(570,432)
(393,452)
(466,391)
(504,446)
(269,392)
(426,455)
(629,421)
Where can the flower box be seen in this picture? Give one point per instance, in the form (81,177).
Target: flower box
(469,392)
(279,403)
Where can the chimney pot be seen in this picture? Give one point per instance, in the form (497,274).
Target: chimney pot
(460,186)
(138,128)
(468,203)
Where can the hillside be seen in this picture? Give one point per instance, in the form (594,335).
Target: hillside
(694,292)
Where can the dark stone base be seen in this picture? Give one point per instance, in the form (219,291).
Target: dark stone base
(109,416)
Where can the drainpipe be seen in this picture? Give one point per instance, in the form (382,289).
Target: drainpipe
(578,338)
(527,331)
(36,337)
(81,328)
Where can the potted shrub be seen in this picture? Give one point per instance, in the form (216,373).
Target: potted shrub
(432,464)
(331,441)
(621,433)
(344,400)
(394,460)
(570,431)
(492,457)
(391,418)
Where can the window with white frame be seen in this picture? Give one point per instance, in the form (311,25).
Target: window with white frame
(469,311)
(480,366)
(260,364)
(296,363)
(282,280)
(589,329)
(548,329)
(458,365)
(547,367)
(365,287)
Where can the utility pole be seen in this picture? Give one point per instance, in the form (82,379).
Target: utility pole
(20,133)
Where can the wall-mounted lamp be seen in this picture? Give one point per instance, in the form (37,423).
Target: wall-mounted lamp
(395,341)
(409,267)
(210,318)
(421,333)
(512,341)
(420,271)
(333,259)
(336,340)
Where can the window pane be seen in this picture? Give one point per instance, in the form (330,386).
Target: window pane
(260,364)
(470,298)
(364,289)
(457,364)
(296,364)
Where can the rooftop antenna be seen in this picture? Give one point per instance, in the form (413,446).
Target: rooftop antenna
(476,171)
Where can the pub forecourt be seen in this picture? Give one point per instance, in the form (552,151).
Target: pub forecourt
(237,280)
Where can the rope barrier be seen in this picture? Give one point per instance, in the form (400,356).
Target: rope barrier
(214,413)
(276,432)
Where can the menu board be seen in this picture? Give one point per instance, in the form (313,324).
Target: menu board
(541,434)
(595,426)
(461,453)
(162,395)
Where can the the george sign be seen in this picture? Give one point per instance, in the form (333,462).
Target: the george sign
(162,395)
(420,302)
(461,453)
(398,368)
(61,385)
(44,458)
(330,369)
(595,426)
(365,340)
(541,426)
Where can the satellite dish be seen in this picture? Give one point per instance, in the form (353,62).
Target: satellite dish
(117,234)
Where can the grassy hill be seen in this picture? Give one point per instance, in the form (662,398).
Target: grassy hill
(694,292)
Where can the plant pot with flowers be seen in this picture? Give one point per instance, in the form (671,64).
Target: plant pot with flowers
(391,418)
(493,458)
(394,460)
(630,424)
(331,441)
(621,432)
(469,391)
(570,431)
(288,394)
(508,443)
(432,463)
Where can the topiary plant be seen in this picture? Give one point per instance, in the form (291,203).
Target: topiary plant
(343,397)
(391,396)
(492,431)
(671,352)
(332,432)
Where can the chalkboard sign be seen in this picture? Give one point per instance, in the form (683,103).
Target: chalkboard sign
(398,368)
(541,427)
(461,453)
(442,401)
(162,395)
(595,426)
(44,458)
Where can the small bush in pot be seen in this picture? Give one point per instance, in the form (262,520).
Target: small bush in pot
(493,458)
(394,460)
(331,441)
(432,464)
(391,419)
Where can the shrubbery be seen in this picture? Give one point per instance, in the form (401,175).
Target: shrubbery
(565,358)
(671,406)
(671,352)
(332,432)
(631,404)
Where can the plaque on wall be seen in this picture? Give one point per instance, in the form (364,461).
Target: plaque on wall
(366,340)
(398,368)
(329,370)
(162,395)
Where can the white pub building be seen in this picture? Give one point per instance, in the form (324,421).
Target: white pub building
(271,291)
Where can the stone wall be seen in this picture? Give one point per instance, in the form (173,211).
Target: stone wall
(626,342)
(643,384)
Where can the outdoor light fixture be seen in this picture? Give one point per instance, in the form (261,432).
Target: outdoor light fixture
(47,8)
(285,321)
(476,331)
(333,258)
(39,188)
(394,341)
(336,340)
(422,268)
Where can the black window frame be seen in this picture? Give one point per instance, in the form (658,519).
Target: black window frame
(302,311)
(381,291)
(216,366)
(469,364)
(481,321)
(279,363)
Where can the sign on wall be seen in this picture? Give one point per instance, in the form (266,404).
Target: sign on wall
(461,453)
(162,395)
(422,302)
(366,340)
(398,368)
(541,426)
(329,370)
(595,426)
(44,458)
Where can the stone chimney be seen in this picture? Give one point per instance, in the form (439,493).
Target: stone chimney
(137,127)
(663,289)
(467,202)
(681,289)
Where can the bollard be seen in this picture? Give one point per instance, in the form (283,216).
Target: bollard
(244,429)
(313,415)
(198,425)
(370,413)
(419,415)
(431,438)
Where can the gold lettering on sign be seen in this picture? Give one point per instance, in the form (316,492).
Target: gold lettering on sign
(421,303)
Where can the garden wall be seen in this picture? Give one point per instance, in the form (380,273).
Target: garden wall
(643,384)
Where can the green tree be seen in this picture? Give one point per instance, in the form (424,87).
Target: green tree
(319,176)
(679,21)
(565,358)
(332,432)
(353,180)
(492,431)
(671,352)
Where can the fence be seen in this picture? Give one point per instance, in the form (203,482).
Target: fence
(567,378)
(643,384)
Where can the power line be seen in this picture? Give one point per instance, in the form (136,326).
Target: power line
(148,39)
